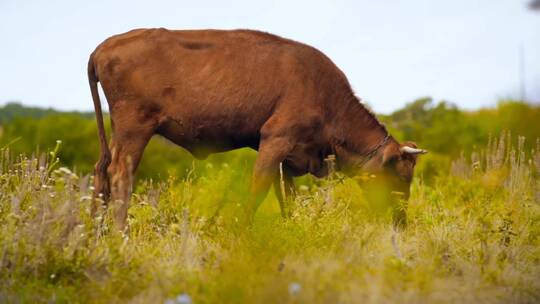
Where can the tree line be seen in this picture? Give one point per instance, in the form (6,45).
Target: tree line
(441,127)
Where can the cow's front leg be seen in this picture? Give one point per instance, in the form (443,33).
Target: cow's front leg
(284,190)
(272,151)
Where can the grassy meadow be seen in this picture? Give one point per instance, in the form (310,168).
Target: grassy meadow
(473,233)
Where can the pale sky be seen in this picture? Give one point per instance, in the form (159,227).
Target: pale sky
(463,51)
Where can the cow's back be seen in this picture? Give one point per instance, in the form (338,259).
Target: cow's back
(213,85)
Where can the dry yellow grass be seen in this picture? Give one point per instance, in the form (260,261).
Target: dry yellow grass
(472,237)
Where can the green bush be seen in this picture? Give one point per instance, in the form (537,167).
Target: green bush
(443,129)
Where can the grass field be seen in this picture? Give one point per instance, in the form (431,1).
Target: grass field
(473,235)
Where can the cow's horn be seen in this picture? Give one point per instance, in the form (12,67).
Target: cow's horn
(410,150)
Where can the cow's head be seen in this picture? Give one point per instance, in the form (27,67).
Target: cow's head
(387,175)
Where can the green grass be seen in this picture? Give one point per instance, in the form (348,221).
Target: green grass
(473,235)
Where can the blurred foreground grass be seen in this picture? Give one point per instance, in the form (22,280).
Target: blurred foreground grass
(473,236)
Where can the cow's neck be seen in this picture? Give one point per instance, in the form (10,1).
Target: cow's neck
(357,132)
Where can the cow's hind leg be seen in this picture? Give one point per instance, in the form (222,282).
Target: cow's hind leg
(129,140)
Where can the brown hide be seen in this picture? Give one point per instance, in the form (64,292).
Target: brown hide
(215,90)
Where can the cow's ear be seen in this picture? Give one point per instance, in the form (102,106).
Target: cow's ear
(391,155)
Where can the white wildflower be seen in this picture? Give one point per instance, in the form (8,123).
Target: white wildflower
(295,288)
(65,170)
(86,198)
(183,299)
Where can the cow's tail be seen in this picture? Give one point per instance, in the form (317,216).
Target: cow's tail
(101,184)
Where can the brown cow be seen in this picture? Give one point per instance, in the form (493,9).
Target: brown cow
(217,90)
